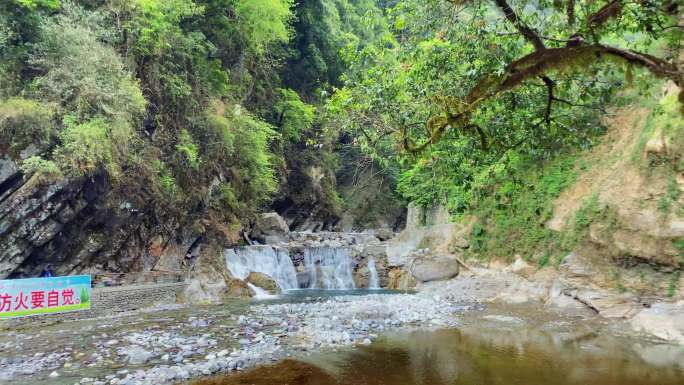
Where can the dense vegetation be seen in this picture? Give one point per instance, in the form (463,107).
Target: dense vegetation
(483,106)
(195,105)
(229,106)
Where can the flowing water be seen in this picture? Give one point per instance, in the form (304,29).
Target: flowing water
(487,350)
(261,294)
(329,268)
(373,280)
(326,267)
(272,261)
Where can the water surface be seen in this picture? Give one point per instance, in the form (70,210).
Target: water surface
(493,350)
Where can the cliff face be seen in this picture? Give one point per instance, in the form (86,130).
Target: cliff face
(631,198)
(79,226)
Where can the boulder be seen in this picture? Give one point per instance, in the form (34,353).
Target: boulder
(662,320)
(384,233)
(270,228)
(209,279)
(400,279)
(434,268)
(521,267)
(263,281)
(239,289)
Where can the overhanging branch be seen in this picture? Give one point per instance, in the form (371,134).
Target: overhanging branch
(529,33)
(538,65)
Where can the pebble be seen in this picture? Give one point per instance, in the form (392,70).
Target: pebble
(197,346)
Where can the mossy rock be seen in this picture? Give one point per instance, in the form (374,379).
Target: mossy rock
(263,281)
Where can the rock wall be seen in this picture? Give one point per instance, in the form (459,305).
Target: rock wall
(637,187)
(209,280)
(83,226)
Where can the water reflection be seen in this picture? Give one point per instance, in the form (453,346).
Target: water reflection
(489,356)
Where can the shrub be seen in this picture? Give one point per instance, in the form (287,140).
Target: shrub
(83,73)
(252,159)
(164,181)
(189,149)
(226,199)
(86,147)
(42,168)
(293,115)
(265,21)
(24,122)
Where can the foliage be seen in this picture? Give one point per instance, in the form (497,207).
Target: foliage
(514,202)
(254,177)
(33,4)
(88,147)
(216,106)
(164,181)
(24,122)
(44,169)
(324,28)
(293,115)
(189,149)
(265,21)
(82,73)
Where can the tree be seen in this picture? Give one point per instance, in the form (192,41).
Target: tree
(465,87)
(578,45)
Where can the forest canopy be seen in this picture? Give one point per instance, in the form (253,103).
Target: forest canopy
(226,105)
(467,90)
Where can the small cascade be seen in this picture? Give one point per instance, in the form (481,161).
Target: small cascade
(329,268)
(260,293)
(272,261)
(373,279)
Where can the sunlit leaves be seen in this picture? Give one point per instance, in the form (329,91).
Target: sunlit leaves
(266,21)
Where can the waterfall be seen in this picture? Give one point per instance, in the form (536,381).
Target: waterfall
(260,293)
(272,261)
(328,268)
(373,280)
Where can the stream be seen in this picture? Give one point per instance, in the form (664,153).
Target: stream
(467,343)
(324,329)
(497,346)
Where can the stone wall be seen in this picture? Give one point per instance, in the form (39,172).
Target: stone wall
(111,300)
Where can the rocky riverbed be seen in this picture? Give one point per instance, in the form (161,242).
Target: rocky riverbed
(173,345)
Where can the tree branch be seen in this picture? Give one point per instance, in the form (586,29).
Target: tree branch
(529,33)
(570,11)
(549,99)
(538,64)
(607,12)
